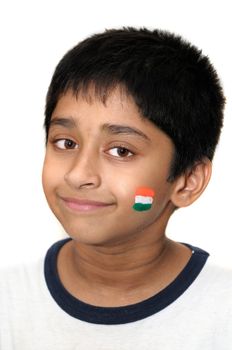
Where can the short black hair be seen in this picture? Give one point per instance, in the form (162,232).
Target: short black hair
(173,84)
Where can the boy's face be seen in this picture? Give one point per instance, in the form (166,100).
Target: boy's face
(97,156)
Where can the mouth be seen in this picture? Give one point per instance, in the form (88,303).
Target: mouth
(84,205)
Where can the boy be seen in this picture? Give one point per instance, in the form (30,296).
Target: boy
(132,121)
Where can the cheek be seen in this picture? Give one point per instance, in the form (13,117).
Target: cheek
(136,197)
(144,198)
(51,176)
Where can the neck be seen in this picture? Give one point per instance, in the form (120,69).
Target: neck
(120,267)
(124,274)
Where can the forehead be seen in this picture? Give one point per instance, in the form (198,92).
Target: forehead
(117,114)
(89,110)
(114,115)
(113,100)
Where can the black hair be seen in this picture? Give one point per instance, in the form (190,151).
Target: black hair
(173,84)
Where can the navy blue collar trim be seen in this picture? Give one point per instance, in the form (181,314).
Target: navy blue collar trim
(122,314)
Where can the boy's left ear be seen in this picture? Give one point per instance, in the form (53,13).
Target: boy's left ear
(190,185)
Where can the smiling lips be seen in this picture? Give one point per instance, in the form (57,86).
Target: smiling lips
(84,205)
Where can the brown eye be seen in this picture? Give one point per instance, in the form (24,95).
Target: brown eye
(65,144)
(121,152)
(69,144)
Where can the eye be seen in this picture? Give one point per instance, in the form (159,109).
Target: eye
(121,152)
(65,144)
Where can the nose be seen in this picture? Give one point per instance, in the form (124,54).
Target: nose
(84,172)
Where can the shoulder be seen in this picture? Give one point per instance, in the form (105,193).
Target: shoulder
(22,292)
(21,280)
(214,287)
(217,279)
(20,270)
(217,276)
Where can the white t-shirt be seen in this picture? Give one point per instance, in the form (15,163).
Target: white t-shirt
(193,313)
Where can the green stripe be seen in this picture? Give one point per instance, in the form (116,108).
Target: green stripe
(141,206)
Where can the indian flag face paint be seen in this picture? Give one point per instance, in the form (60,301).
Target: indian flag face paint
(143,198)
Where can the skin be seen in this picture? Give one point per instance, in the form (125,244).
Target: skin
(117,256)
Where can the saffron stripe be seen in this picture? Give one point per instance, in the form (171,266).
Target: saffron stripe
(144,191)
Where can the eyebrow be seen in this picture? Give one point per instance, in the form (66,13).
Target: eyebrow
(113,129)
(116,129)
(68,123)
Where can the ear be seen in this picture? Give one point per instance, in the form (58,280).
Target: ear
(191,184)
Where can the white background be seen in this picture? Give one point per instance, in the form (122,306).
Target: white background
(34,37)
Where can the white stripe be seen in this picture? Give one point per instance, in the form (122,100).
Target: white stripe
(143,199)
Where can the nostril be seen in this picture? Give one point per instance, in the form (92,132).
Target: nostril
(81,180)
(89,184)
